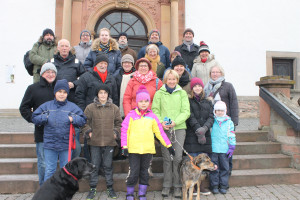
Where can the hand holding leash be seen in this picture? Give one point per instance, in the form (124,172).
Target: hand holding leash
(230,150)
(200,132)
(171,151)
(125,152)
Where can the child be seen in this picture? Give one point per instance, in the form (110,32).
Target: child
(56,116)
(223,145)
(102,129)
(137,141)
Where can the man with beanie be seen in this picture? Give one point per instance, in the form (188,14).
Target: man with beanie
(36,94)
(83,48)
(188,49)
(164,53)
(57,116)
(42,51)
(123,46)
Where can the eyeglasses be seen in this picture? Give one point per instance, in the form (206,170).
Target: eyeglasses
(143,65)
(49,72)
(85,35)
(215,72)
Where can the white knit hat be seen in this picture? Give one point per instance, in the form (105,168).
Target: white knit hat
(220,105)
(48,66)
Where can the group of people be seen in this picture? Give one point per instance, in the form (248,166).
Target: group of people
(113,96)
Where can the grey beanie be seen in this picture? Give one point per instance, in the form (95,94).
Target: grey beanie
(48,66)
(127,58)
(85,31)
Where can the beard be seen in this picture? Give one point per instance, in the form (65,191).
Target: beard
(48,41)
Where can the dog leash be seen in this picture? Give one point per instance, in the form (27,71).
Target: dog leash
(70,173)
(173,140)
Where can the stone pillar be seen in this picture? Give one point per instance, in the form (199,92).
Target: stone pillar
(67,20)
(174,24)
(165,29)
(272,84)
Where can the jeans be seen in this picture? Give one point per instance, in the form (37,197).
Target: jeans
(102,156)
(40,161)
(171,167)
(76,152)
(51,157)
(220,177)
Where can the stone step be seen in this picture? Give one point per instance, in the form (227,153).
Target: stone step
(242,148)
(240,162)
(251,136)
(28,183)
(10,113)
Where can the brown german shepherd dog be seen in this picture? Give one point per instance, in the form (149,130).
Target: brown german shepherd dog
(191,171)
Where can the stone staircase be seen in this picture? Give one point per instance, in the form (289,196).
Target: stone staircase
(256,162)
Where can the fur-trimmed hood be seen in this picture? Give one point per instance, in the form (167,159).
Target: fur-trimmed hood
(41,40)
(113,43)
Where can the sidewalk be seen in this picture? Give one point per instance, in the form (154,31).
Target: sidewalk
(264,192)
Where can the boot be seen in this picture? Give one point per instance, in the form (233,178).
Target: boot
(130,193)
(142,192)
(203,190)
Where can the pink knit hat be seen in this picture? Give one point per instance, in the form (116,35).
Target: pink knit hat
(196,81)
(142,94)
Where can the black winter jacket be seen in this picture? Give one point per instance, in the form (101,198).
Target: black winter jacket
(188,56)
(86,88)
(201,115)
(35,95)
(119,79)
(70,68)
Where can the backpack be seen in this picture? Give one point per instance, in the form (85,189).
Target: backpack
(28,64)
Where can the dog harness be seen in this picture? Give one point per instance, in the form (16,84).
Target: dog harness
(70,173)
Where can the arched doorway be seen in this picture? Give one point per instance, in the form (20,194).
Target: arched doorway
(118,21)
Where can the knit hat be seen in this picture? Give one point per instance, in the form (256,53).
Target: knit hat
(102,87)
(48,66)
(127,58)
(142,94)
(122,34)
(101,57)
(203,47)
(61,85)
(142,60)
(188,30)
(178,61)
(46,31)
(196,81)
(220,105)
(154,30)
(85,31)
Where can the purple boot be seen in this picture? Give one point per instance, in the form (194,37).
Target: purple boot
(142,192)
(130,193)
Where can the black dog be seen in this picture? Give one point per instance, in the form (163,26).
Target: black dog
(64,183)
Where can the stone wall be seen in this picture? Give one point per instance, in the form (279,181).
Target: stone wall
(249,106)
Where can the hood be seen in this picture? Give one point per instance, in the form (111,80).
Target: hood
(108,103)
(210,58)
(113,43)
(41,40)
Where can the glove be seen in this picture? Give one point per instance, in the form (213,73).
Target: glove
(168,120)
(200,132)
(125,152)
(230,151)
(171,150)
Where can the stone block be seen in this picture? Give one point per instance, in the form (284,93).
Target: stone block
(290,149)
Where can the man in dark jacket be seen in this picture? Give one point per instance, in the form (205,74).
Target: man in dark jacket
(123,46)
(35,95)
(188,49)
(68,66)
(42,51)
(164,53)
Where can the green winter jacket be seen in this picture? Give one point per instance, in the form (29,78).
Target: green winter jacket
(176,106)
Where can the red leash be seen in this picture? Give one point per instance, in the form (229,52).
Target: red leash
(70,173)
(72,142)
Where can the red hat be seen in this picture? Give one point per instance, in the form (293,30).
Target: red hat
(142,60)
(196,81)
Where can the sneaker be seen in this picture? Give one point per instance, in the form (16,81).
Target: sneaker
(215,191)
(223,191)
(204,191)
(92,194)
(111,193)
(178,193)
(165,192)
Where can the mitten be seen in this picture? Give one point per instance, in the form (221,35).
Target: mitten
(230,150)
(171,150)
(200,132)
(125,152)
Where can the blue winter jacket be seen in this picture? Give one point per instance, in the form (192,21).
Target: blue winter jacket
(54,115)
(222,134)
(164,53)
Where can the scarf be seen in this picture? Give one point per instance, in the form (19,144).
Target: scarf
(203,60)
(184,79)
(170,90)
(103,76)
(141,78)
(104,47)
(85,44)
(123,46)
(154,62)
(188,44)
(60,103)
(212,86)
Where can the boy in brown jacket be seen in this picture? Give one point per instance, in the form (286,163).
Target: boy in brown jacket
(102,128)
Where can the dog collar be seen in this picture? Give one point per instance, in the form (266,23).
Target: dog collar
(195,166)
(70,173)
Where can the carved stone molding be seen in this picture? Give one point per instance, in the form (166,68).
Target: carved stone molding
(164,2)
(123,4)
(153,7)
